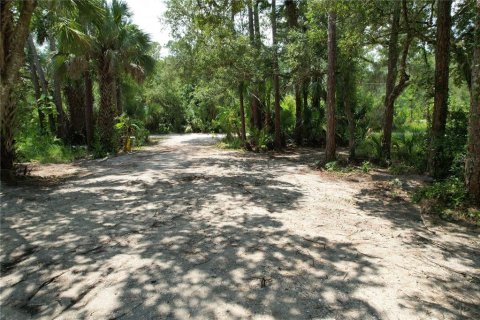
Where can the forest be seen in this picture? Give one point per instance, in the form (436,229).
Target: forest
(328,126)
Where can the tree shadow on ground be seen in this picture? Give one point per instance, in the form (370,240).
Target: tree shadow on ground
(152,235)
(457,287)
(115,244)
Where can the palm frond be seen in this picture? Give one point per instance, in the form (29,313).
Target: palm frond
(71,37)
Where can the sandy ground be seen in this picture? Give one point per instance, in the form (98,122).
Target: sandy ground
(184,230)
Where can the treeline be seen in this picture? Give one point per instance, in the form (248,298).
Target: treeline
(394,81)
(67,62)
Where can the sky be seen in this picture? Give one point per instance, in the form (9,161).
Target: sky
(147,14)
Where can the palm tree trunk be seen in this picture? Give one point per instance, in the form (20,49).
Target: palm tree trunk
(75,94)
(57,97)
(472,165)
(330,147)
(108,109)
(436,161)
(118,92)
(13,36)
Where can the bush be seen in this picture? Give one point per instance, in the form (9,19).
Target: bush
(366,166)
(333,166)
(447,198)
(401,168)
(449,193)
(231,143)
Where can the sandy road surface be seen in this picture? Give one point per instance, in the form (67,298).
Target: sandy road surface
(184,230)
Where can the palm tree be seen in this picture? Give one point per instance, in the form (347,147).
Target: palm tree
(119,48)
(16,17)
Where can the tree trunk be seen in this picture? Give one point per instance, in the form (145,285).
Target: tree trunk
(390,83)
(57,97)
(89,122)
(108,108)
(292,19)
(43,80)
(436,161)
(75,94)
(251,35)
(276,81)
(37,90)
(255,114)
(330,143)
(472,165)
(13,37)
(242,115)
(118,92)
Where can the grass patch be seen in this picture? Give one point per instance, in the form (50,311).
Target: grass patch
(342,167)
(230,143)
(47,149)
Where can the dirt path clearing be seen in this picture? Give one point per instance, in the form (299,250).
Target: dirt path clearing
(185,230)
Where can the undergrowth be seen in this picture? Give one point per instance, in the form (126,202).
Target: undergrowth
(47,149)
(448,199)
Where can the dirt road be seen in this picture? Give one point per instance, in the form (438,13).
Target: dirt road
(185,230)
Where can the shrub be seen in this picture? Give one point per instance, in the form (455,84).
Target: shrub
(127,127)
(231,143)
(447,198)
(401,168)
(451,193)
(366,166)
(332,166)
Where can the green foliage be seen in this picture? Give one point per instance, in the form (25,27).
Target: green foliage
(47,149)
(410,148)
(46,105)
(371,146)
(445,194)
(264,140)
(366,166)
(230,143)
(228,121)
(333,166)
(450,192)
(287,115)
(127,127)
(400,168)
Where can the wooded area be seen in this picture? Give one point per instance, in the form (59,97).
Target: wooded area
(376,90)
(393,83)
